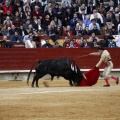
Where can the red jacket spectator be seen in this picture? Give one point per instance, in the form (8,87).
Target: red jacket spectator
(68,31)
(6,7)
(36,12)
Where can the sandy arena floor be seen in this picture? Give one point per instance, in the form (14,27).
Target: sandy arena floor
(59,101)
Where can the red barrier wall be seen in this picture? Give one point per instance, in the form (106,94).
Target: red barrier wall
(22,59)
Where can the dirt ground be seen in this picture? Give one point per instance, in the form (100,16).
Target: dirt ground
(59,101)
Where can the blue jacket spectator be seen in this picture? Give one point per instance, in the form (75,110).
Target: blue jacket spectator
(16,37)
(91,26)
(87,20)
(49,31)
(111,44)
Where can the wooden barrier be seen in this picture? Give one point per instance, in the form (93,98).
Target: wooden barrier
(23,59)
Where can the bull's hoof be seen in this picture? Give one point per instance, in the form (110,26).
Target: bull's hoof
(76,84)
(71,85)
(37,86)
(32,86)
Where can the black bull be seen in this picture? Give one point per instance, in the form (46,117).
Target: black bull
(64,67)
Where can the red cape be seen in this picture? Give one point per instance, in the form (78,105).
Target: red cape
(92,77)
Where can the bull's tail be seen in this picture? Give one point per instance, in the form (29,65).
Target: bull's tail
(30,73)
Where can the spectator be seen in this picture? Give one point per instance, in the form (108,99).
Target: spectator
(87,20)
(101,9)
(105,30)
(77,32)
(111,44)
(27,12)
(107,18)
(5,30)
(17,22)
(37,12)
(94,44)
(47,6)
(118,28)
(6,7)
(57,11)
(30,43)
(35,22)
(90,8)
(65,22)
(113,31)
(68,31)
(67,2)
(42,32)
(21,13)
(22,31)
(36,3)
(38,26)
(8,14)
(74,8)
(7,20)
(58,32)
(98,19)
(68,14)
(66,42)
(95,30)
(86,31)
(12,30)
(91,26)
(83,7)
(111,6)
(26,37)
(81,25)
(47,44)
(85,44)
(76,44)
(63,9)
(30,28)
(56,45)
(49,13)
(16,5)
(82,15)
(16,38)
(7,43)
(57,21)
(92,37)
(80,40)
(96,14)
(27,23)
(50,31)
(72,45)
(74,21)
(36,39)
(46,21)
(116,20)
(117,40)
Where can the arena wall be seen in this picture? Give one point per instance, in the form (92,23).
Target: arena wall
(15,63)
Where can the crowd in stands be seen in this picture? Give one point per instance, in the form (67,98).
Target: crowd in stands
(27,20)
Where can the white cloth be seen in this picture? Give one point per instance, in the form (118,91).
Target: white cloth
(117,40)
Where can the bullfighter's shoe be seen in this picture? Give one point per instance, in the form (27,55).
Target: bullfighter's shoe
(106,86)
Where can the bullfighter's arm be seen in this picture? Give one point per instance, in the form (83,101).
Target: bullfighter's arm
(95,53)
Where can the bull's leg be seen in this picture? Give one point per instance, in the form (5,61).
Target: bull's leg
(70,83)
(36,78)
(32,85)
